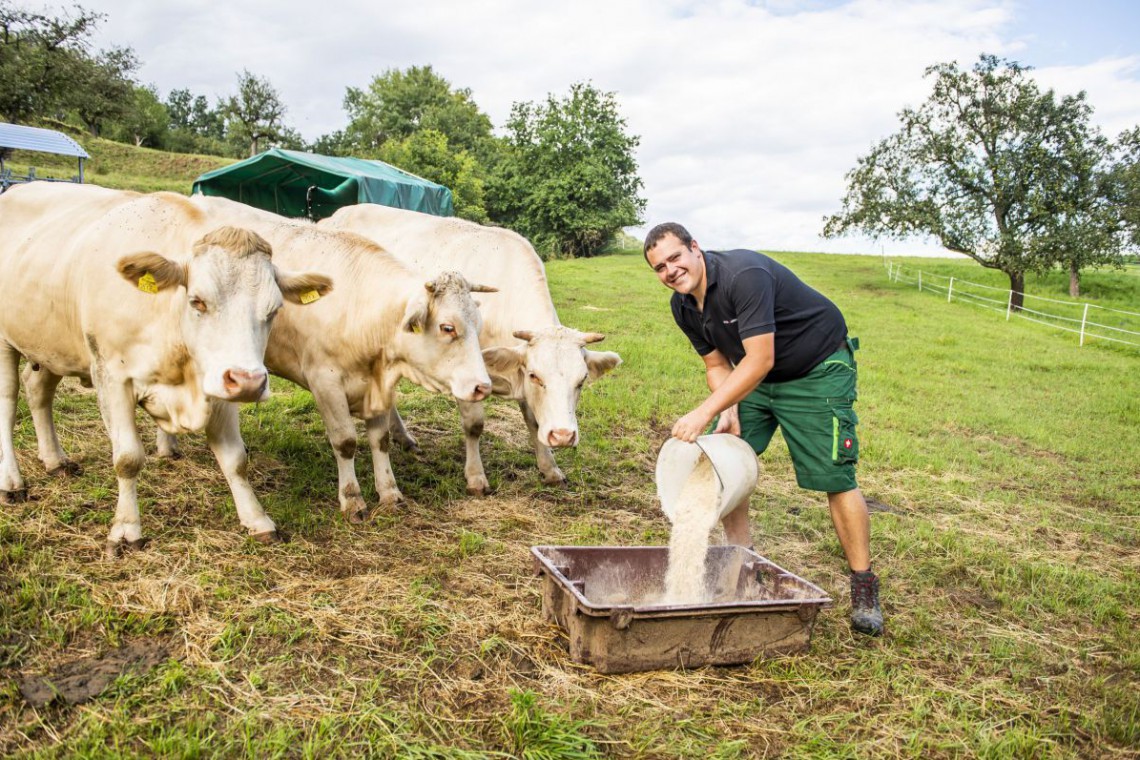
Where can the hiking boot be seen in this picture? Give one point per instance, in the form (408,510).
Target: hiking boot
(866,617)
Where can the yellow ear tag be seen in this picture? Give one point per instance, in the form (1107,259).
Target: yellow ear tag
(416,328)
(310,296)
(147,284)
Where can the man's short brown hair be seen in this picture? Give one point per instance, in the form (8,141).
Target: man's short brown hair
(668,228)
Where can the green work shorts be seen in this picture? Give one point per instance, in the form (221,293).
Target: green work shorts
(816,416)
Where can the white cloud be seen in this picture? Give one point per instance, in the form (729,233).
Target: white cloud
(749,114)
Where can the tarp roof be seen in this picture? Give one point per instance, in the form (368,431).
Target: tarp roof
(292,183)
(42,140)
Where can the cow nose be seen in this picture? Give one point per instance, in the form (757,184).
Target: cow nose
(482,391)
(562,437)
(241,385)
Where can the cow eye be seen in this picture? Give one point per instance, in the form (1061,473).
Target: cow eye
(447,329)
(198,305)
(536,379)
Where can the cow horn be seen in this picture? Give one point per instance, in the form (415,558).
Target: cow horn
(429,286)
(593,337)
(526,335)
(484,289)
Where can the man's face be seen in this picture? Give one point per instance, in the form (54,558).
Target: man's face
(678,266)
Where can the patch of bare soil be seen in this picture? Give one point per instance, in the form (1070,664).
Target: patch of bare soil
(80,680)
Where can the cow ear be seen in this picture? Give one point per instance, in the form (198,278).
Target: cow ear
(601,362)
(416,313)
(304,287)
(505,366)
(151,272)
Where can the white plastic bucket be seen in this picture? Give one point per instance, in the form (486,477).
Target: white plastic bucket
(732,459)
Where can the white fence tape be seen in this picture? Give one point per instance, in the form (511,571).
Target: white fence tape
(1125,330)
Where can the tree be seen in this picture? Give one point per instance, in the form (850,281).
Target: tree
(195,127)
(255,113)
(1126,184)
(993,168)
(102,88)
(146,122)
(567,178)
(426,153)
(397,104)
(37,59)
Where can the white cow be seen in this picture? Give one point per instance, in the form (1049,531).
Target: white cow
(531,357)
(387,322)
(147,299)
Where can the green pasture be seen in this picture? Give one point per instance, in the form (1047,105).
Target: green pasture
(1000,458)
(123,167)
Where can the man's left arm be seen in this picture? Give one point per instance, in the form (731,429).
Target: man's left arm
(759,355)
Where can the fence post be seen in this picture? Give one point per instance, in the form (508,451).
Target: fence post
(1009,306)
(950,290)
(920,279)
(1084,320)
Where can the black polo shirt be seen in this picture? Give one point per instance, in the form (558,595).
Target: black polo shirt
(748,294)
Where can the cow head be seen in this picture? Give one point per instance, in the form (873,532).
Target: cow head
(547,373)
(439,338)
(227,295)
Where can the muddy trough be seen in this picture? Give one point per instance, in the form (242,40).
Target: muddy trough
(607,600)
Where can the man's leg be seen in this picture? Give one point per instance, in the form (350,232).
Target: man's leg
(819,424)
(757,425)
(853,526)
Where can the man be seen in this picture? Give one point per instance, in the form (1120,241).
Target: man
(776,354)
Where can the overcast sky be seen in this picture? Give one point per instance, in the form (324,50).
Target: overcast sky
(749,113)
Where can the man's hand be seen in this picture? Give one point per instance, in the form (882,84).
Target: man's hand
(729,421)
(691,426)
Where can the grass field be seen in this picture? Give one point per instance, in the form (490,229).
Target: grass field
(123,167)
(1002,459)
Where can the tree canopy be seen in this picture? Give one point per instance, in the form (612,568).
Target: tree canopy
(397,104)
(992,167)
(568,178)
(255,113)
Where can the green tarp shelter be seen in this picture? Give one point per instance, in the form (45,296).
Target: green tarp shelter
(293,184)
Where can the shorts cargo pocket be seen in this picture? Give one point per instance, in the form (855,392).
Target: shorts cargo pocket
(844,442)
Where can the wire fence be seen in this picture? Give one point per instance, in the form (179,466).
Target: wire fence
(1087,320)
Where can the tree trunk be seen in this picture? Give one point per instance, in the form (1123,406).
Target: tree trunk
(1017,285)
(253,147)
(1074,281)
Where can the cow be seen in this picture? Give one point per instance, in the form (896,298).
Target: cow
(387,322)
(146,299)
(531,357)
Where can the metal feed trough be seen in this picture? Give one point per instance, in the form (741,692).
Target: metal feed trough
(17,137)
(606,600)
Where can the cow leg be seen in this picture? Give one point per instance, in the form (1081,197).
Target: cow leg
(471,413)
(379,441)
(341,430)
(400,434)
(167,445)
(11,482)
(223,434)
(551,475)
(40,385)
(117,406)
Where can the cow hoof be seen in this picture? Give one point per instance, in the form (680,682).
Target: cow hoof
(558,480)
(393,499)
(115,549)
(67,469)
(268,537)
(18,496)
(479,487)
(175,455)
